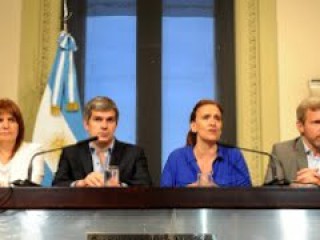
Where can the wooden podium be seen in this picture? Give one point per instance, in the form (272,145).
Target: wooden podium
(223,213)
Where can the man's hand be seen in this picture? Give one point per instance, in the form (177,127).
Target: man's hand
(93,179)
(308,175)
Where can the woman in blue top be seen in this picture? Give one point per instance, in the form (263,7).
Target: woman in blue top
(203,153)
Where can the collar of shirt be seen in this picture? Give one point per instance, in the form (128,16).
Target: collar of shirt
(96,163)
(193,161)
(110,148)
(218,157)
(220,153)
(307,150)
(313,161)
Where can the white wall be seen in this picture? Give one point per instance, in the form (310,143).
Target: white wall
(298,56)
(10,22)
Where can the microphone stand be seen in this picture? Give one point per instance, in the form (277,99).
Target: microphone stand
(24,183)
(273,164)
(28,182)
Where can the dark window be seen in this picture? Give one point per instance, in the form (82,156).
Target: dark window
(156,59)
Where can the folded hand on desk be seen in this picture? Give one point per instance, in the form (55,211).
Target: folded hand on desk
(308,176)
(94,179)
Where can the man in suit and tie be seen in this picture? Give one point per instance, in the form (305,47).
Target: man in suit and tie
(83,165)
(300,157)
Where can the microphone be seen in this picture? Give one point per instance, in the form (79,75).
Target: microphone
(91,139)
(273,164)
(28,182)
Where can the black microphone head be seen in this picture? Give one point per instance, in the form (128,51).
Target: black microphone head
(95,138)
(91,139)
(228,145)
(24,183)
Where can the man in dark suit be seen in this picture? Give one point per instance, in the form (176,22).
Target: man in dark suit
(83,165)
(300,157)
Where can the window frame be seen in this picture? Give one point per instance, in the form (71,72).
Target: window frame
(149,28)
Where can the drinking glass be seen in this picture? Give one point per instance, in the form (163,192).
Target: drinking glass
(206,180)
(111,176)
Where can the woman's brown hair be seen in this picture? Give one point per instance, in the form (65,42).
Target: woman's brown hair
(191,136)
(9,106)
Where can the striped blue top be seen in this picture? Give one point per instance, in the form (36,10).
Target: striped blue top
(229,168)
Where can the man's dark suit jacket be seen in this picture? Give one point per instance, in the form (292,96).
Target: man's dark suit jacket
(76,163)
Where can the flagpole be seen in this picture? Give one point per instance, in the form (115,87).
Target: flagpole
(66,15)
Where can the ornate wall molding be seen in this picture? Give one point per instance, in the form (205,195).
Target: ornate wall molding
(50,28)
(247,79)
(257,115)
(254,126)
(39,33)
(253,68)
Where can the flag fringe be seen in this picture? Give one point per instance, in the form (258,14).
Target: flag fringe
(72,107)
(55,110)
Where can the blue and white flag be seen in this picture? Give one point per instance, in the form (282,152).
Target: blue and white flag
(59,119)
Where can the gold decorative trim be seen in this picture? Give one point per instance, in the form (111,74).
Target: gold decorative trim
(256,78)
(44,45)
(254,86)
(50,27)
(40,26)
(248,85)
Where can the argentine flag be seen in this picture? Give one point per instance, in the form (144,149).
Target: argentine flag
(59,119)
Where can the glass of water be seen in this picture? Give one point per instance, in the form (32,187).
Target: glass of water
(206,180)
(111,176)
